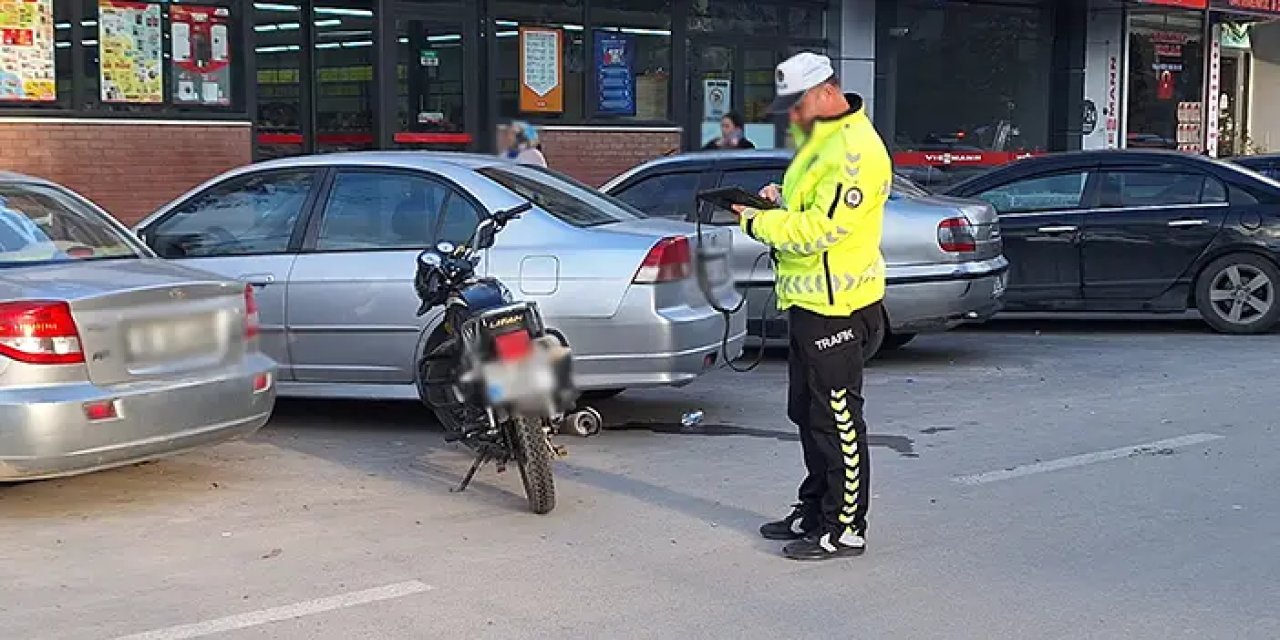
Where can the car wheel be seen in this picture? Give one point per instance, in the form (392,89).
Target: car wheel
(601,394)
(896,340)
(1238,294)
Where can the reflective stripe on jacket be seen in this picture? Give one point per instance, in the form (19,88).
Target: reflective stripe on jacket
(827,240)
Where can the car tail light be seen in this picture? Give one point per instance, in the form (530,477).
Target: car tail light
(667,261)
(514,345)
(252,321)
(955,235)
(39,332)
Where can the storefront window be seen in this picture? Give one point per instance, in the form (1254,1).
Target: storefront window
(277,46)
(541,59)
(631,59)
(1166,80)
(344,89)
(149,57)
(741,16)
(970,78)
(430,77)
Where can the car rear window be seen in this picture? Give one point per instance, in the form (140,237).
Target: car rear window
(560,195)
(40,224)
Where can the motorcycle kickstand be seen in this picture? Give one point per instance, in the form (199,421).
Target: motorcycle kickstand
(481,458)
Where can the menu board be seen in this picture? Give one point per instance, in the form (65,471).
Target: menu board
(26,54)
(130,38)
(201,54)
(541,70)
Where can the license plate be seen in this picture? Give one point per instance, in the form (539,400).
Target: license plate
(717,271)
(172,339)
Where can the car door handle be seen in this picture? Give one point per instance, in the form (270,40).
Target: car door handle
(1063,228)
(1185,223)
(258,279)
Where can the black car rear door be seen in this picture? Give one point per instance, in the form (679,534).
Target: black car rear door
(1149,223)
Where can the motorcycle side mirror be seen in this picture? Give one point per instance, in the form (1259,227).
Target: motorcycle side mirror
(486,233)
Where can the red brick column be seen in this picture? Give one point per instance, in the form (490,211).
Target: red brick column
(131,167)
(595,154)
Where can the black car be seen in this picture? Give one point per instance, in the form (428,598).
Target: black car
(1138,231)
(1267,165)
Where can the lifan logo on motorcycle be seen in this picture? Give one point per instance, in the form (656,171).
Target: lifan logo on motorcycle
(499,323)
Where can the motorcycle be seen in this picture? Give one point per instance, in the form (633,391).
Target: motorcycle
(499,381)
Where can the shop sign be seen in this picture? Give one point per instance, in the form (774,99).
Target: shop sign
(428,58)
(131,41)
(959,158)
(615,74)
(1258,7)
(1113,102)
(541,70)
(26,51)
(1215,89)
(201,54)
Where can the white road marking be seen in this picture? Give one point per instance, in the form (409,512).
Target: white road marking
(1084,459)
(286,612)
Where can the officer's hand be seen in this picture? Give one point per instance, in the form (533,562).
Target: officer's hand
(771,192)
(740,209)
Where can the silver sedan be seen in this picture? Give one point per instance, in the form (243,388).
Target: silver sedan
(108,355)
(330,242)
(944,257)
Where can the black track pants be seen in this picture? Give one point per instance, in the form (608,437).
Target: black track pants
(825,401)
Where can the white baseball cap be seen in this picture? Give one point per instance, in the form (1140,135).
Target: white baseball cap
(798,74)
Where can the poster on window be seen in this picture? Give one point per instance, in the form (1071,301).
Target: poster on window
(26,57)
(615,74)
(541,70)
(201,54)
(130,37)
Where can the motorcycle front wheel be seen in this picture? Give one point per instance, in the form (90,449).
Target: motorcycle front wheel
(533,456)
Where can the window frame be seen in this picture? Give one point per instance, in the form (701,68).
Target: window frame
(1178,170)
(1087,191)
(315,221)
(320,179)
(84,103)
(701,182)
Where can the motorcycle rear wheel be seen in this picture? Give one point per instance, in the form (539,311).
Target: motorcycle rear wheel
(533,456)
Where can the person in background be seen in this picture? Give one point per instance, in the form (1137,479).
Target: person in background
(731,134)
(518,141)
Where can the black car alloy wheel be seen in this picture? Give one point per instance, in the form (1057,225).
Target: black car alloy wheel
(1237,294)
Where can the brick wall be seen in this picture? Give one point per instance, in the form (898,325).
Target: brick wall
(129,168)
(595,155)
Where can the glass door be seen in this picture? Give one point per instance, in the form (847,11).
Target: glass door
(728,78)
(434,103)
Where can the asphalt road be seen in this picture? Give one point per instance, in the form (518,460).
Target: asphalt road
(1031,480)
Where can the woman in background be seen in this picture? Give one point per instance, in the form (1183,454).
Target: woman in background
(518,141)
(731,134)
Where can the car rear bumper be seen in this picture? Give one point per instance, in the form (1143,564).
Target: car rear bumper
(917,299)
(44,432)
(641,347)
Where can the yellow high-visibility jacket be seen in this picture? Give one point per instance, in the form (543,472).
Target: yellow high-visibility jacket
(826,241)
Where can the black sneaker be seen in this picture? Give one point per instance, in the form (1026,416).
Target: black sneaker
(827,547)
(791,527)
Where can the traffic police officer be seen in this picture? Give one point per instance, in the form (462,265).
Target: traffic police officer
(825,237)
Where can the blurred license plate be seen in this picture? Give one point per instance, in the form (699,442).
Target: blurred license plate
(174,338)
